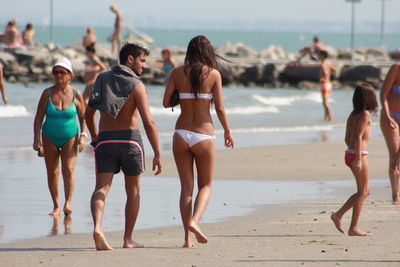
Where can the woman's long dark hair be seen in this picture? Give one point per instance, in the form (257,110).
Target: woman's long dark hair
(199,53)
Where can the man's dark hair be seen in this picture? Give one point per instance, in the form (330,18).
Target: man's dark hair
(133,50)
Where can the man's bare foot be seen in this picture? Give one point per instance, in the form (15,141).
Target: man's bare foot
(132,244)
(396,199)
(201,238)
(337,222)
(67,210)
(55,212)
(100,241)
(358,232)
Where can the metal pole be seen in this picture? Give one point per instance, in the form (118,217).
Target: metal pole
(51,21)
(352,33)
(383,24)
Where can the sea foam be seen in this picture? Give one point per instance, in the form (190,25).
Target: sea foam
(9,111)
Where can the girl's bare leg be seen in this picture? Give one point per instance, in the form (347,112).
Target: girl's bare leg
(184,163)
(204,159)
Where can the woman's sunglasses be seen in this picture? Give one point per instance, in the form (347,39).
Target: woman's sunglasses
(61,72)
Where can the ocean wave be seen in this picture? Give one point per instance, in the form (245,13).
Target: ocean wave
(9,111)
(310,128)
(230,111)
(289,100)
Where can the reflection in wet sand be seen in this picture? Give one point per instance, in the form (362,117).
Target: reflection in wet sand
(56,223)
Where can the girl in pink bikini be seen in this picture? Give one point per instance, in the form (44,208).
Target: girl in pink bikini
(358,131)
(93,68)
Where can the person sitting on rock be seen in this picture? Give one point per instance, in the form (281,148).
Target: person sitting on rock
(312,50)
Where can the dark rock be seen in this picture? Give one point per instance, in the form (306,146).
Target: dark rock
(359,73)
(294,74)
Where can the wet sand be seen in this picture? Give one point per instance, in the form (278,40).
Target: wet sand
(299,233)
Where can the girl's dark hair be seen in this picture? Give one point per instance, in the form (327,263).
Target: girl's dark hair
(130,49)
(364,98)
(199,53)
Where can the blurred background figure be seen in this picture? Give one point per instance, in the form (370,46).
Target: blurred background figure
(2,87)
(93,68)
(11,37)
(89,38)
(168,63)
(312,50)
(116,36)
(28,35)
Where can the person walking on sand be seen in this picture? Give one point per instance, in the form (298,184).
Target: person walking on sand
(390,122)
(199,84)
(120,97)
(59,136)
(327,69)
(2,87)
(116,36)
(358,131)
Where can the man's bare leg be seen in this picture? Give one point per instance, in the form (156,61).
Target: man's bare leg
(103,184)
(132,187)
(327,109)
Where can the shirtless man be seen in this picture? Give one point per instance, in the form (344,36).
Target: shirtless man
(326,71)
(116,36)
(312,50)
(120,97)
(13,37)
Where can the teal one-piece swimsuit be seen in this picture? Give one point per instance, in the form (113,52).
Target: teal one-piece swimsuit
(60,125)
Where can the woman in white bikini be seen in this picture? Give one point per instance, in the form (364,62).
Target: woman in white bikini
(199,84)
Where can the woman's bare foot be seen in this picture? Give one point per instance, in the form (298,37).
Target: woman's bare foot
(396,199)
(67,210)
(358,232)
(56,211)
(188,244)
(337,222)
(201,238)
(100,241)
(129,243)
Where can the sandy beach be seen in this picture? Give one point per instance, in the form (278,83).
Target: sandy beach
(299,233)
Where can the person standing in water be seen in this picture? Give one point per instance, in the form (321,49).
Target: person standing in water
(327,69)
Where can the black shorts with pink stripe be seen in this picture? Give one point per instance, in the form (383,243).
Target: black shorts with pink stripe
(116,150)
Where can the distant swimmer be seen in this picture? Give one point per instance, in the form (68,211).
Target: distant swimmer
(116,36)
(327,69)
(2,87)
(312,50)
(358,132)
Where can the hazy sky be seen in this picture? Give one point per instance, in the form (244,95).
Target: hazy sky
(176,13)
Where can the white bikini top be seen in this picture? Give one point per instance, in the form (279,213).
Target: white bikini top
(191,96)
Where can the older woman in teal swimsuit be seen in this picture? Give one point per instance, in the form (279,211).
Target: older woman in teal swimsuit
(390,122)
(59,136)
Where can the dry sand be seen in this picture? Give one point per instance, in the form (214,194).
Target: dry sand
(294,234)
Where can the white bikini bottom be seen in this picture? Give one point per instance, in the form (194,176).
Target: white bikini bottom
(192,138)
